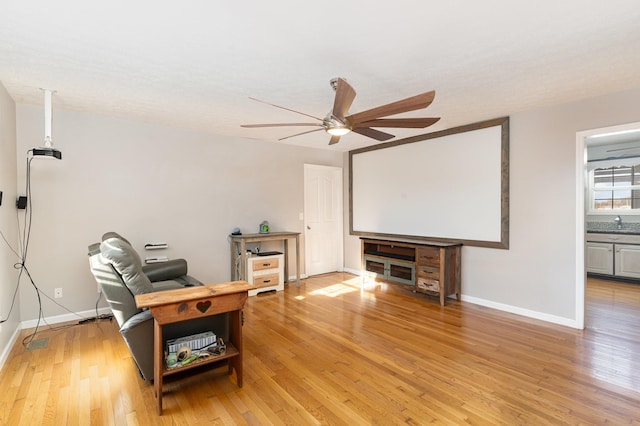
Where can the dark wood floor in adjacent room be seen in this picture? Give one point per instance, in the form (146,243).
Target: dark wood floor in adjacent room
(330,352)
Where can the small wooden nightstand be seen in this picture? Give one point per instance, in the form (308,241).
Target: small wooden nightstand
(189,303)
(265,273)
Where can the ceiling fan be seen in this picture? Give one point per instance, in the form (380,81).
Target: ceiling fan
(338,123)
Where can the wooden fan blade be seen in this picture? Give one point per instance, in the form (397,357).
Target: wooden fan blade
(299,134)
(413,103)
(251,126)
(414,123)
(284,108)
(345,94)
(374,134)
(334,140)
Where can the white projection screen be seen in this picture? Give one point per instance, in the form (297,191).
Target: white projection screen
(451,185)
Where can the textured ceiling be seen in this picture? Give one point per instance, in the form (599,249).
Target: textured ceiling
(194,64)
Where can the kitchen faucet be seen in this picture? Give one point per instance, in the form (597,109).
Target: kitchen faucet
(618,220)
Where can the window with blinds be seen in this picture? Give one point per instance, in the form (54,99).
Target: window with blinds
(616,188)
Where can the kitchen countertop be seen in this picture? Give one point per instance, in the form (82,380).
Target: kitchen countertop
(614,231)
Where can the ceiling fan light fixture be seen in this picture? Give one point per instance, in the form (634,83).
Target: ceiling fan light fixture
(338,131)
(339,122)
(334,126)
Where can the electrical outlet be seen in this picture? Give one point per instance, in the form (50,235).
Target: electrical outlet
(21,203)
(57,293)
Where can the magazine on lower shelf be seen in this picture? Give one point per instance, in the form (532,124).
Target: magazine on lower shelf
(185,355)
(194,342)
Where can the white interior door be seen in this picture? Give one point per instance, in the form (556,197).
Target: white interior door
(323,219)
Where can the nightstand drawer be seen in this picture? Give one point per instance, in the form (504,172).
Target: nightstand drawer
(428,285)
(428,255)
(262,264)
(429,272)
(266,280)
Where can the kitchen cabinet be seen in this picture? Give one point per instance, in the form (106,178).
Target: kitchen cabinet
(627,260)
(616,255)
(599,258)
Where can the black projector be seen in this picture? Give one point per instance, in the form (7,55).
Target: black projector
(47,152)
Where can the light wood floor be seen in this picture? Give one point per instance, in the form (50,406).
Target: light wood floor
(332,353)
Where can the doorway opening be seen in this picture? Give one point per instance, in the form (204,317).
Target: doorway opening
(608,141)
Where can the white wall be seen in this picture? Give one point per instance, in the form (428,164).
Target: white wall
(537,275)
(150,183)
(156,183)
(8,186)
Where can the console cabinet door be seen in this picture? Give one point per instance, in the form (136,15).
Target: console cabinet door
(401,272)
(599,258)
(375,267)
(391,270)
(627,260)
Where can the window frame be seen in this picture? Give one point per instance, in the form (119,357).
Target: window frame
(591,188)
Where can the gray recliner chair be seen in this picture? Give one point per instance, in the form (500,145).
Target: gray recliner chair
(118,270)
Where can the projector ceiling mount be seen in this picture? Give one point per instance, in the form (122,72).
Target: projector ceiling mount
(47,150)
(339,122)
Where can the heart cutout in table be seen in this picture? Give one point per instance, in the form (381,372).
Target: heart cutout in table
(203,306)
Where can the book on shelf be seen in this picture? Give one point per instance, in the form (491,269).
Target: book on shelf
(194,342)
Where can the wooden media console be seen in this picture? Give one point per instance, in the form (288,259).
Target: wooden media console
(430,267)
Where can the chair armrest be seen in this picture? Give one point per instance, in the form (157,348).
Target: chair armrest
(135,321)
(94,249)
(137,332)
(167,285)
(164,271)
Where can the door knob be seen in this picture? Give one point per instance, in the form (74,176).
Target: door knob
(308,227)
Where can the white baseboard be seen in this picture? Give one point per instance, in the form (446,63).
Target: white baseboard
(64,318)
(568,322)
(303,276)
(352,271)
(292,279)
(7,349)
